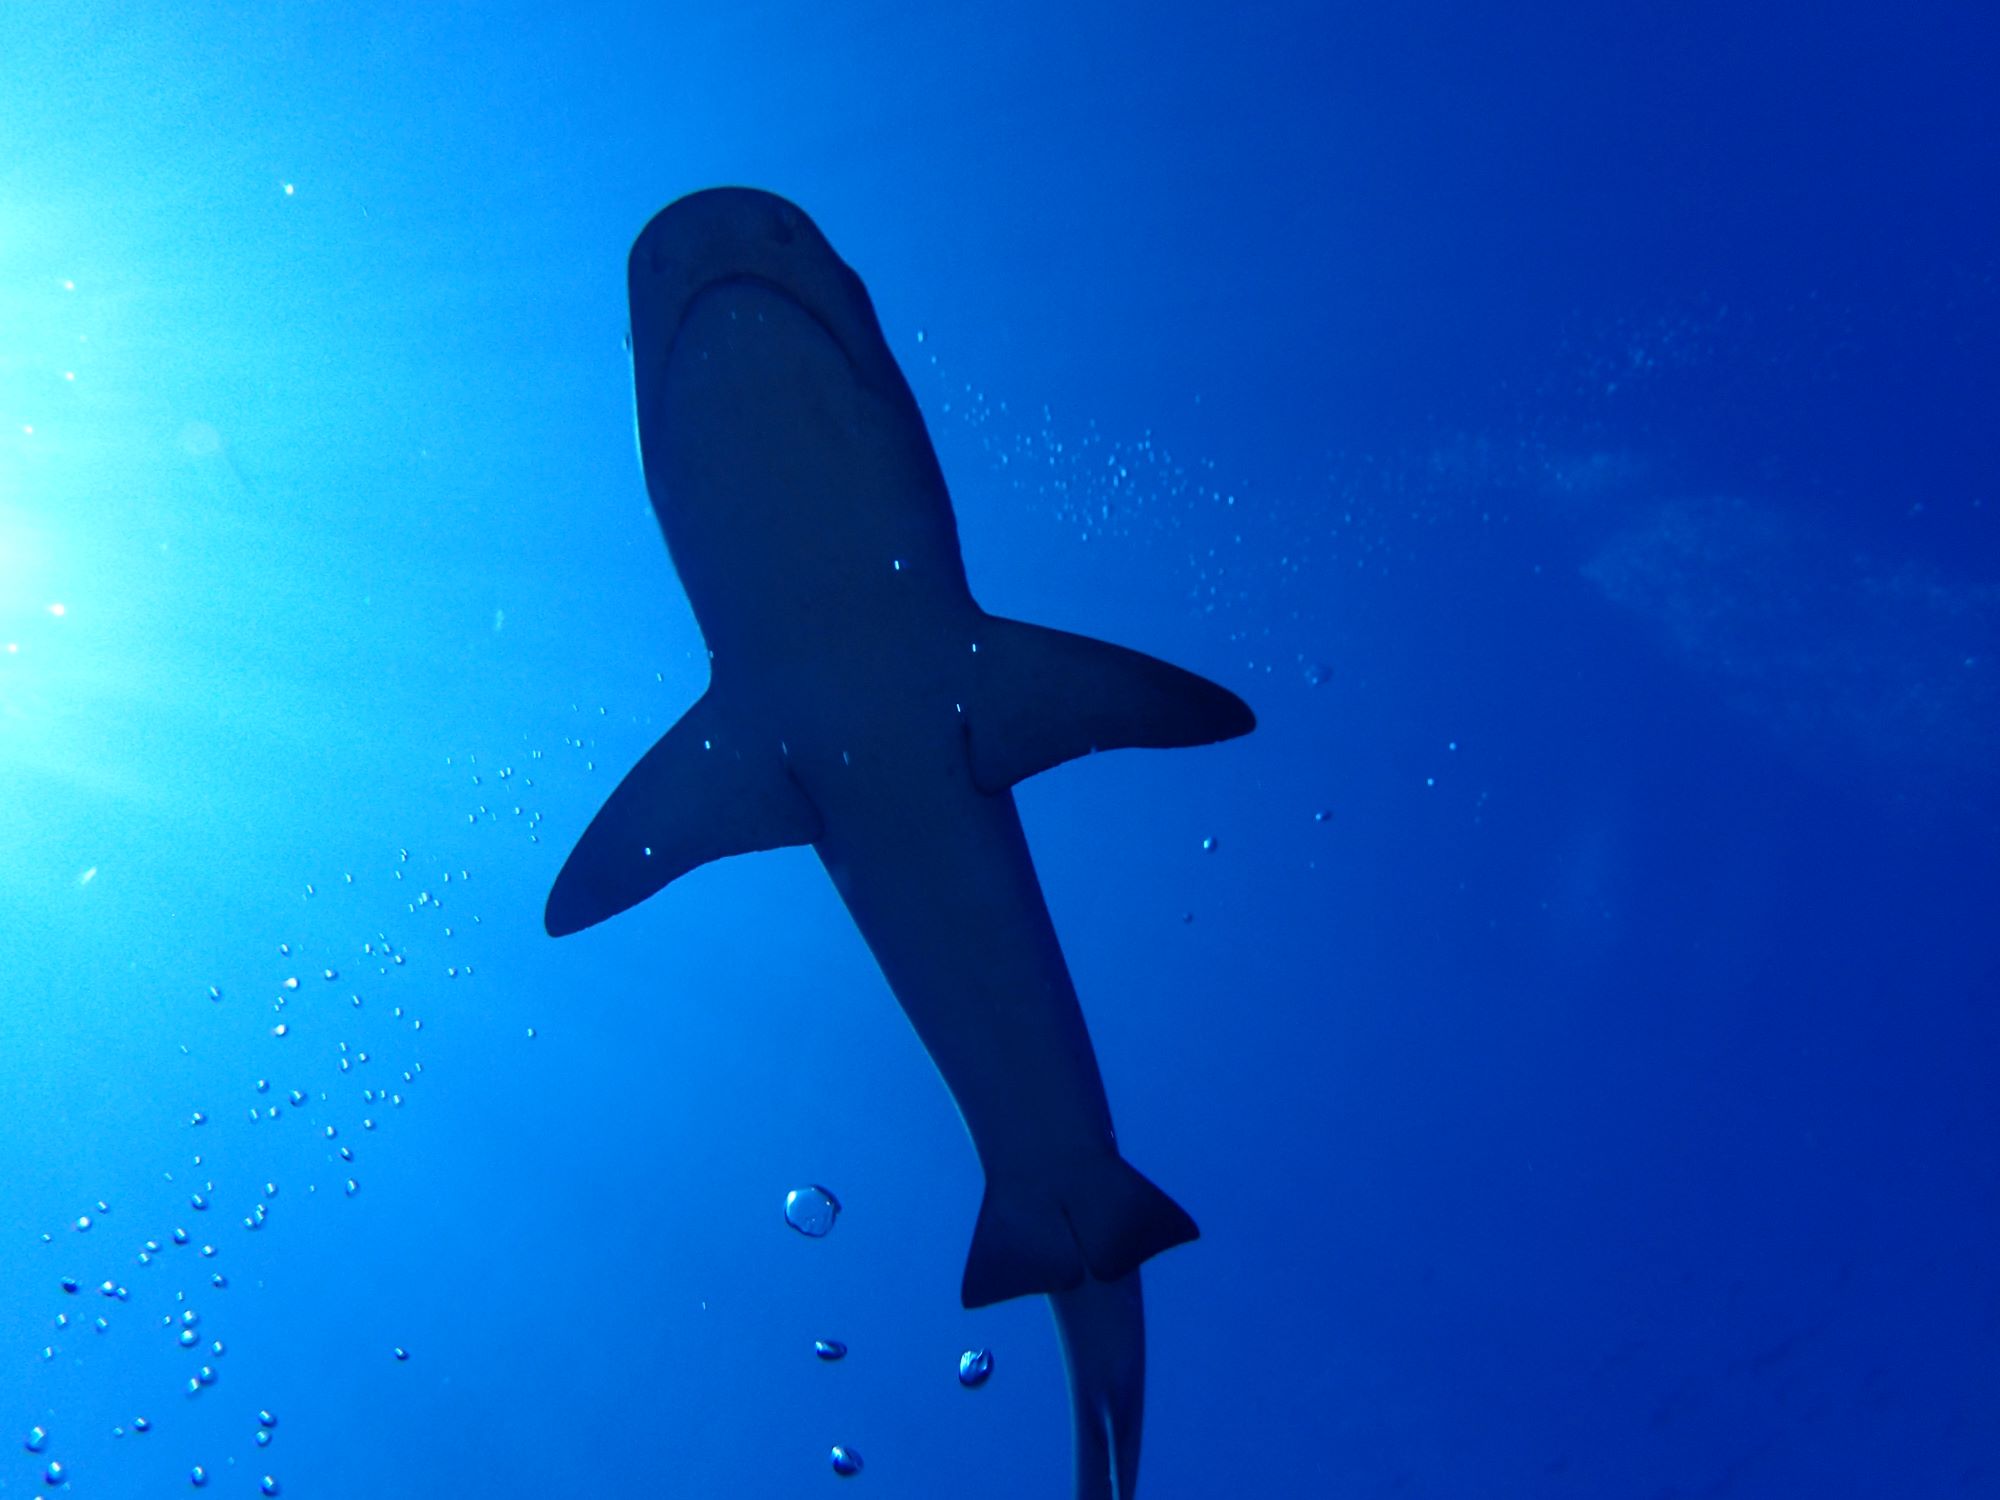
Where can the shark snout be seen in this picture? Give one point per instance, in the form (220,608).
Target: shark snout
(734,234)
(721,230)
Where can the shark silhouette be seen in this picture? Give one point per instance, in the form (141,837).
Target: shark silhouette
(859,701)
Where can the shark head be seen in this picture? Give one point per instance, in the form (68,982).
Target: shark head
(744,319)
(779,440)
(726,237)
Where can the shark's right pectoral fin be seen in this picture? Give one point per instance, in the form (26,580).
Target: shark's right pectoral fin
(1033,1236)
(700,794)
(1040,697)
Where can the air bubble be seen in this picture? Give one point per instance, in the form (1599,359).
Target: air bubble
(811,1210)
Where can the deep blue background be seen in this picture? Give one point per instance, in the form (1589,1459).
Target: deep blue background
(1571,426)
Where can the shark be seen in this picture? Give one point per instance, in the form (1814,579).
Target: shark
(860,702)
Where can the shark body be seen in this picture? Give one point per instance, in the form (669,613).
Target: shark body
(861,702)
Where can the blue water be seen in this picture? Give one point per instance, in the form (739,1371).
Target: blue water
(1571,427)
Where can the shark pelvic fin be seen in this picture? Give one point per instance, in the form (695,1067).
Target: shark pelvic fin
(1103,1223)
(1041,697)
(700,794)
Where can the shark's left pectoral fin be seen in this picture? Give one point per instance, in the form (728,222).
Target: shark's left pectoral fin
(1041,697)
(700,794)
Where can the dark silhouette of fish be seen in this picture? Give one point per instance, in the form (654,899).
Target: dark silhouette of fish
(859,701)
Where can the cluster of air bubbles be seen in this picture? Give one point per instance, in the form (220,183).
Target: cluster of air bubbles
(506,780)
(343,1057)
(1101,486)
(1276,567)
(812,1210)
(1254,567)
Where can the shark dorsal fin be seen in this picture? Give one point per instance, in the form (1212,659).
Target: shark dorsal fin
(1041,697)
(700,794)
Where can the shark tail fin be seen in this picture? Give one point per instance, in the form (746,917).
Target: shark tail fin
(1103,1329)
(1040,697)
(1101,1223)
(700,794)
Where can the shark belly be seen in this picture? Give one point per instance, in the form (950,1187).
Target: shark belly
(937,875)
(939,880)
